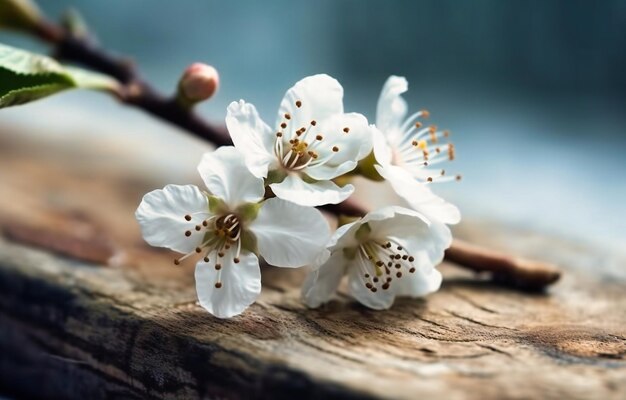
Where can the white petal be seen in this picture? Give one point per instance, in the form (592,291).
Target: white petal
(294,189)
(344,236)
(391,108)
(328,172)
(380,300)
(241,284)
(225,174)
(162,212)
(418,284)
(419,196)
(253,137)
(382,151)
(320,97)
(321,283)
(289,235)
(353,145)
(428,248)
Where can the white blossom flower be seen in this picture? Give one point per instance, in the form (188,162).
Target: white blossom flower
(227,227)
(390,252)
(406,150)
(313,142)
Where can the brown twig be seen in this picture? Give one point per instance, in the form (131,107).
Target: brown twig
(523,274)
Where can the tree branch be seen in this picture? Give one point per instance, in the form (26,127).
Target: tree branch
(505,269)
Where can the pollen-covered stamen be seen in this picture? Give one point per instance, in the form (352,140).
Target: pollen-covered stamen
(421,148)
(299,147)
(222,239)
(380,262)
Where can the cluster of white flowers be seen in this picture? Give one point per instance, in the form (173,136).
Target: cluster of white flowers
(261,195)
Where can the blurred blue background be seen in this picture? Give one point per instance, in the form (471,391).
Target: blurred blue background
(534,92)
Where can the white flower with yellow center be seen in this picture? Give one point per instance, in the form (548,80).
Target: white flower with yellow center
(407,151)
(390,252)
(227,227)
(313,142)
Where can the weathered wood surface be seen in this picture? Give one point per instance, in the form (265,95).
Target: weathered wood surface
(126,324)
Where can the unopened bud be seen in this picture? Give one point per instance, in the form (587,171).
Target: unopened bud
(198,83)
(20,15)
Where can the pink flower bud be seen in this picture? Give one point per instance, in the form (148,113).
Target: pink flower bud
(199,82)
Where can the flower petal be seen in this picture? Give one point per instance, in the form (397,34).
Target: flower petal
(225,174)
(352,146)
(294,189)
(419,284)
(382,150)
(419,196)
(289,235)
(380,300)
(427,248)
(321,283)
(161,216)
(241,284)
(253,137)
(319,96)
(391,108)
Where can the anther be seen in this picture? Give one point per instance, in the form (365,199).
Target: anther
(176,262)
(287,116)
(375,280)
(367,275)
(279,134)
(319,137)
(198,227)
(188,233)
(418,124)
(399,274)
(335,149)
(425,113)
(398,266)
(446,133)
(283,125)
(399,248)
(404,257)
(398,256)
(380,263)
(430,179)
(412,270)
(385,286)
(298,103)
(346,129)
(451,151)
(368,285)
(198,249)
(188,217)
(220,254)
(206,259)
(411,259)
(236,260)
(374,290)
(313,123)
(218,267)
(218,285)
(458,177)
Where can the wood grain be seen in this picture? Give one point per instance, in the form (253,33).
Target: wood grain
(74,329)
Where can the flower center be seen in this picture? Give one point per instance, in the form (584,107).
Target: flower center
(420,147)
(222,238)
(382,261)
(299,147)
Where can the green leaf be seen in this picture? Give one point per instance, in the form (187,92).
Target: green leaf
(26,77)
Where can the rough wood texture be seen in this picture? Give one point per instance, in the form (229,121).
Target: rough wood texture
(128,326)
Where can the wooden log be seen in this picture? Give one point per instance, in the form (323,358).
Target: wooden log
(129,326)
